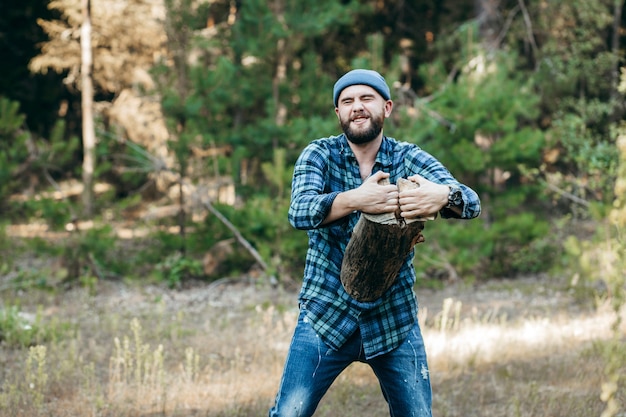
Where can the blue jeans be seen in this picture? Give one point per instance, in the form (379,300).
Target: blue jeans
(311,367)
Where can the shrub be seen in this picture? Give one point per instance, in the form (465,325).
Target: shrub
(18,329)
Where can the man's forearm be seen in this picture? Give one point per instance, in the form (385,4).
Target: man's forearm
(343,205)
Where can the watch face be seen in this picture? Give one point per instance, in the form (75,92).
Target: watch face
(455,198)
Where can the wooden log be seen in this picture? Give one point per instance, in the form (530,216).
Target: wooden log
(377,249)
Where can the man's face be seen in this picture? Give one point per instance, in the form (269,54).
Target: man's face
(362,112)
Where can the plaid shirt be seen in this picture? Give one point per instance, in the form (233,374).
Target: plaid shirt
(325,168)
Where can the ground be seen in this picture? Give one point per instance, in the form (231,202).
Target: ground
(529,346)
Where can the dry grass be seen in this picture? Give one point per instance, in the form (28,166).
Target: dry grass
(511,349)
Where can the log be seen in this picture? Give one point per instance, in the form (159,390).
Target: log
(377,250)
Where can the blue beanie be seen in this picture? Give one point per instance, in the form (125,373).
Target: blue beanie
(361,76)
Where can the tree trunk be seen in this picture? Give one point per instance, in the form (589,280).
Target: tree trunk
(89,134)
(280,75)
(488,19)
(377,250)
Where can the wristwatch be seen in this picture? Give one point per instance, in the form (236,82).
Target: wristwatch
(455,197)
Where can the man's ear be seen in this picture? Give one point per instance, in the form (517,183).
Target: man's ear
(388,108)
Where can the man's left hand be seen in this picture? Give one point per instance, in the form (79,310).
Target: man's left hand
(423,201)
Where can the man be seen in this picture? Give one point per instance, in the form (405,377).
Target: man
(336,179)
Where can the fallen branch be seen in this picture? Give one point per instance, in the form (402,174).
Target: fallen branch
(566,194)
(207,203)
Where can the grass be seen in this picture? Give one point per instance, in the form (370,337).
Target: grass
(219,351)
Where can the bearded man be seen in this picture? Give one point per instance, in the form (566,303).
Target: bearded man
(335,180)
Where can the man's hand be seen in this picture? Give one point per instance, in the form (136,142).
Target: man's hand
(371,197)
(423,201)
(374,198)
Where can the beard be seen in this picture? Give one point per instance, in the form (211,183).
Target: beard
(359,137)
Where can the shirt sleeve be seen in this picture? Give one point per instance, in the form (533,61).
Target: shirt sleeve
(426,165)
(310,203)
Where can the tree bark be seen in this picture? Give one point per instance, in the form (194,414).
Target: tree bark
(377,250)
(89,134)
(488,18)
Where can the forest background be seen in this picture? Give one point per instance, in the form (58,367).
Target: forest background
(154,140)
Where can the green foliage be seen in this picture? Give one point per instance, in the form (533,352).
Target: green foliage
(234,97)
(18,330)
(488,142)
(10,119)
(59,153)
(277,173)
(589,154)
(259,81)
(5,247)
(93,254)
(13,149)
(56,213)
(470,250)
(521,244)
(488,108)
(176,268)
(575,75)
(262,220)
(600,263)
(55,156)
(574,63)
(275,239)
(26,163)
(166,243)
(15,330)
(451,248)
(487,130)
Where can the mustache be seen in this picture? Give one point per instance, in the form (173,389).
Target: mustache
(360,114)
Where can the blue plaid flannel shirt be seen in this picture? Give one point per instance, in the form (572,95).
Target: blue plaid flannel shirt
(325,168)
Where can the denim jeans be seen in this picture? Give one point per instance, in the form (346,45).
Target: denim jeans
(311,367)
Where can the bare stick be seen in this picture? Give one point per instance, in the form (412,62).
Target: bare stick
(529,27)
(206,203)
(565,194)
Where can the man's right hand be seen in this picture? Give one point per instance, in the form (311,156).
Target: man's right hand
(375,198)
(371,197)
